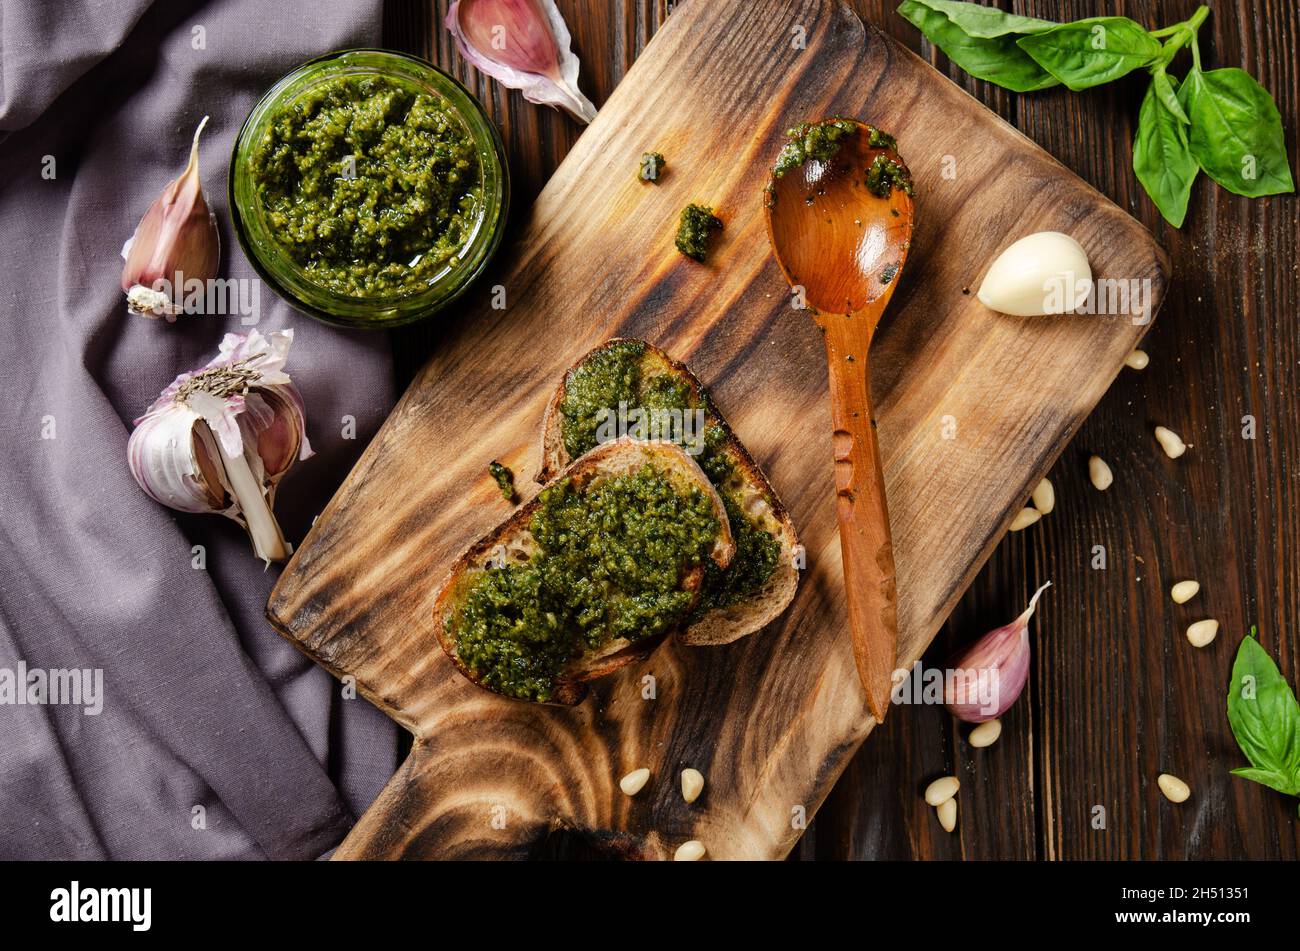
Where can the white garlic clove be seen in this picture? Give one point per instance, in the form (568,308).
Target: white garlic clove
(1043,273)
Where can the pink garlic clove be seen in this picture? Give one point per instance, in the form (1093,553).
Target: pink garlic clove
(512,32)
(524,45)
(988,677)
(175,242)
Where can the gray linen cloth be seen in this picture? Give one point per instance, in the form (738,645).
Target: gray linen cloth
(216,739)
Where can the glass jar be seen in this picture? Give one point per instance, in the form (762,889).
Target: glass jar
(296,284)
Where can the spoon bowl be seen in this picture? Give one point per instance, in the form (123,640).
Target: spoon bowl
(835,237)
(841,227)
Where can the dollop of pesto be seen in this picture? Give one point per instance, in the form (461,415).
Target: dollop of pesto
(813,140)
(614,375)
(652,165)
(609,563)
(885,175)
(694,230)
(371,187)
(505,479)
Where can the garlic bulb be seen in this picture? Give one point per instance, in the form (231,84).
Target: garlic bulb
(1043,273)
(991,673)
(525,45)
(220,438)
(175,245)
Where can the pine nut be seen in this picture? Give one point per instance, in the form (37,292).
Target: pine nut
(634,782)
(1203,632)
(1099,473)
(947,814)
(1175,789)
(986,734)
(692,784)
(1024,518)
(691,851)
(941,790)
(1170,443)
(1184,591)
(1044,496)
(1138,360)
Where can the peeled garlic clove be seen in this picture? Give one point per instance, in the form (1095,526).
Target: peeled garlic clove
(988,676)
(176,243)
(1043,273)
(524,45)
(219,438)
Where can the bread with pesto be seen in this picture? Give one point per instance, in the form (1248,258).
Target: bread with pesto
(588,576)
(624,374)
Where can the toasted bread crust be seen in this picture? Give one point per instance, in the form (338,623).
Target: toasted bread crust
(722,625)
(514,535)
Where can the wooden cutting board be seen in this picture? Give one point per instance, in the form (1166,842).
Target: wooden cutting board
(973,409)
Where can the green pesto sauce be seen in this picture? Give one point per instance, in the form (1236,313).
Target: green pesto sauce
(885,175)
(813,140)
(613,376)
(369,186)
(694,230)
(652,166)
(505,479)
(609,563)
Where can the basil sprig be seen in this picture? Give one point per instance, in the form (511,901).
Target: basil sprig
(1265,719)
(1219,121)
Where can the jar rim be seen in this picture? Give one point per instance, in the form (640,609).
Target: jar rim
(289,279)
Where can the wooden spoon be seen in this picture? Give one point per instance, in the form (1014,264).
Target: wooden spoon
(843,247)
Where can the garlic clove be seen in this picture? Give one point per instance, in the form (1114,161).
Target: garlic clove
(524,45)
(175,243)
(989,676)
(1043,273)
(219,438)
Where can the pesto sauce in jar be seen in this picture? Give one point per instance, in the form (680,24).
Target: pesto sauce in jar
(614,375)
(609,563)
(370,186)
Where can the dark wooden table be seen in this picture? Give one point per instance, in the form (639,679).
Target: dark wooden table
(1116,695)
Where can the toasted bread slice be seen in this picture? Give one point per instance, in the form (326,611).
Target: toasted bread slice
(513,541)
(745,485)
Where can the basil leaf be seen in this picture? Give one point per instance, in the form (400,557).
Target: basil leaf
(1236,132)
(1091,52)
(1267,722)
(975,19)
(1267,777)
(1161,157)
(1164,86)
(997,59)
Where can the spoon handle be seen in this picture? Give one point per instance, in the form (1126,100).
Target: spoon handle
(865,543)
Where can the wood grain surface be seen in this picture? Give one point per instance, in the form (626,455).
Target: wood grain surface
(772,720)
(1226,346)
